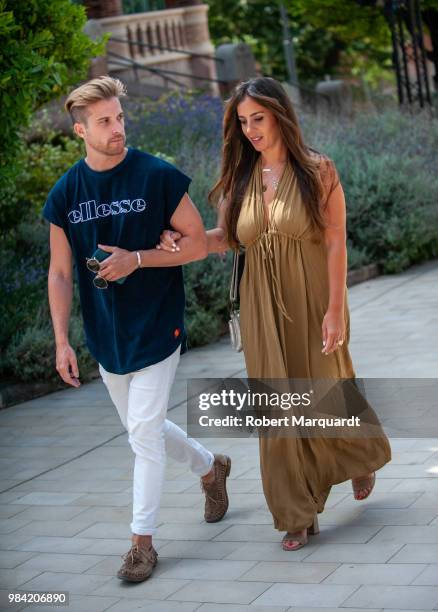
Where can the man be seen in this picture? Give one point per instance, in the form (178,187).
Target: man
(119,200)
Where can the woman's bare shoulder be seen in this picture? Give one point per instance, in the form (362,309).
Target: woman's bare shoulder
(323,160)
(327,171)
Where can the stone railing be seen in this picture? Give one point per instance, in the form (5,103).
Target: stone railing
(131,35)
(161,40)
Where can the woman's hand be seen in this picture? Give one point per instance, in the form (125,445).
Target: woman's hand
(218,240)
(333,331)
(169,240)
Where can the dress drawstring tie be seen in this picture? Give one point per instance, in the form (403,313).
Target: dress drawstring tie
(266,246)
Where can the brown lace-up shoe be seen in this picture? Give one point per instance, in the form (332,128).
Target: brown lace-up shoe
(216,498)
(138,563)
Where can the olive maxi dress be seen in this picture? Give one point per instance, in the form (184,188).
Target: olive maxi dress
(284,294)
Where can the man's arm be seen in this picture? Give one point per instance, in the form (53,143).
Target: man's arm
(60,284)
(187,221)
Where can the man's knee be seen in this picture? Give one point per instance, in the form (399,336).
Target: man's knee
(147,443)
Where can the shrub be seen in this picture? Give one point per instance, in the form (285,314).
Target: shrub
(43,164)
(185,127)
(43,51)
(207,281)
(31,353)
(387,167)
(26,338)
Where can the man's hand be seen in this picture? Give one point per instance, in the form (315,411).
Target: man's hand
(67,365)
(120,263)
(169,241)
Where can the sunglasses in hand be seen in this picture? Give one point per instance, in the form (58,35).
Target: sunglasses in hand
(93,264)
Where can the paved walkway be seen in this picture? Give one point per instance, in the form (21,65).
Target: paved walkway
(66,482)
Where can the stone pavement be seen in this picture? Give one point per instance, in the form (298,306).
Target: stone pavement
(65,505)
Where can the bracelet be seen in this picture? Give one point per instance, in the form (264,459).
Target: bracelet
(138,259)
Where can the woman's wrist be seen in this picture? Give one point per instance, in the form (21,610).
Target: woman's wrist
(216,240)
(335,309)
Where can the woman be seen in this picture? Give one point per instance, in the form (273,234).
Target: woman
(284,203)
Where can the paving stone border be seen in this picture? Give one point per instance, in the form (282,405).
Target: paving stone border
(362,274)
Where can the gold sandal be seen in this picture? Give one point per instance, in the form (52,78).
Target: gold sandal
(363,484)
(300,537)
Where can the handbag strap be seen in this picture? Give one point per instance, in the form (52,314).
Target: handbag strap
(234,285)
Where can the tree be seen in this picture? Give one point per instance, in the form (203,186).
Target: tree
(360,27)
(364,20)
(43,50)
(329,36)
(257,23)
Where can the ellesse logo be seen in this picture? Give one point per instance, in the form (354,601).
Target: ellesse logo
(87,211)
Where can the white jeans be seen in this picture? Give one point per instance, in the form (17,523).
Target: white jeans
(141,399)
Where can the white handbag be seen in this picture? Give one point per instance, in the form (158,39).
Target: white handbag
(234,322)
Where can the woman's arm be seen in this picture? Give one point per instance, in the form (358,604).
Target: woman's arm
(216,238)
(335,236)
(216,241)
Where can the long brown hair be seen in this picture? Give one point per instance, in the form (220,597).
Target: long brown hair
(239,156)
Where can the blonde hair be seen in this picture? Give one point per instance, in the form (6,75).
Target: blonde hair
(100,88)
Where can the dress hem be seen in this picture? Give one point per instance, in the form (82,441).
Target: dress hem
(367,469)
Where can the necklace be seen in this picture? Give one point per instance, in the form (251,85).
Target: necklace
(273,178)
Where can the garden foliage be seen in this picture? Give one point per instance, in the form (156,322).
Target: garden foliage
(386,163)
